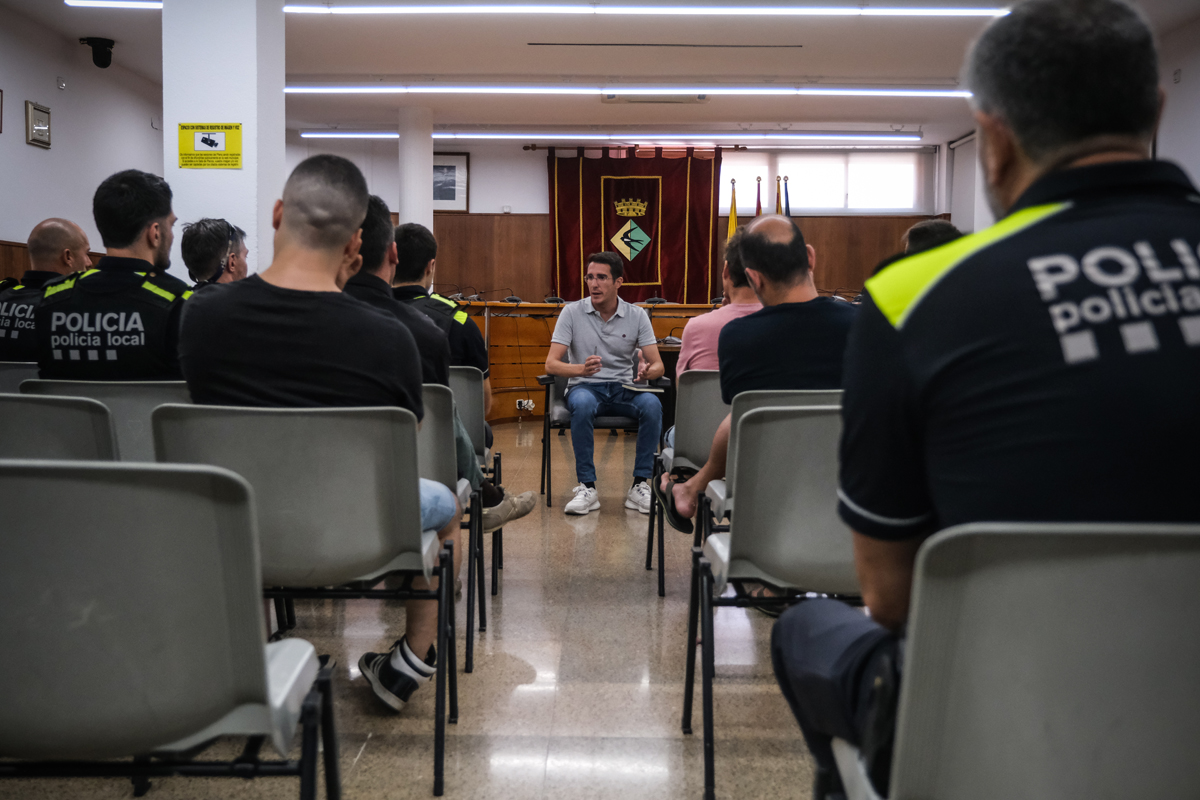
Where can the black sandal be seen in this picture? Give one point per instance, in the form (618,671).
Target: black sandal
(666,501)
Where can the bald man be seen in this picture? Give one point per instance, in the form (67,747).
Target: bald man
(795,342)
(56,247)
(290,337)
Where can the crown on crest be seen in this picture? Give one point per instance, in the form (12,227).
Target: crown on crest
(631,208)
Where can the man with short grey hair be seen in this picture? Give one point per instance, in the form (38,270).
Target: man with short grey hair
(1041,370)
(601,343)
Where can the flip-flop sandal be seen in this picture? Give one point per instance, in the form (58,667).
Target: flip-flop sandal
(666,501)
(771,611)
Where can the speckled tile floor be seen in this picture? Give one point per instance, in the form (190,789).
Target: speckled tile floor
(578,682)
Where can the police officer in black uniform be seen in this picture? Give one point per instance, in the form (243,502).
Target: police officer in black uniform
(120,320)
(56,247)
(1045,369)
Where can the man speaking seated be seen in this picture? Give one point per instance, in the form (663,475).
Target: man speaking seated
(600,343)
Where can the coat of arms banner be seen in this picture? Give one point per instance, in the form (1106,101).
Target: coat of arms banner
(659,214)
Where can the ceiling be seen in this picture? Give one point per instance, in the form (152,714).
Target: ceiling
(829,51)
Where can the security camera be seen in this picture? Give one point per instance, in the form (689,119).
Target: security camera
(101,50)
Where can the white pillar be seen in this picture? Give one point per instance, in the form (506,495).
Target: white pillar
(416,166)
(223,62)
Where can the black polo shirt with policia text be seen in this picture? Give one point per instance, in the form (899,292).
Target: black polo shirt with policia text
(116,322)
(18,301)
(1044,369)
(467,348)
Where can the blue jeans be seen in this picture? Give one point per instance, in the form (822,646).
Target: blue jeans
(437,505)
(590,400)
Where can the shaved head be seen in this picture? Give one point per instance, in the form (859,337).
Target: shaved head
(324,202)
(774,248)
(52,240)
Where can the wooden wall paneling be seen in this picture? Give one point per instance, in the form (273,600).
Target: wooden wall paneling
(14,259)
(492,253)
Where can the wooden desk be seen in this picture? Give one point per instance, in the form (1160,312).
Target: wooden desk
(518,339)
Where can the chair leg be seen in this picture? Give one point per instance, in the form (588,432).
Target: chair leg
(707,671)
(310,722)
(497,477)
(452,639)
(280,616)
(479,569)
(141,783)
(500,547)
(439,713)
(662,551)
(656,476)
(289,606)
(545,484)
(689,680)
(703,521)
(333,776)
(472,545)
(495,563)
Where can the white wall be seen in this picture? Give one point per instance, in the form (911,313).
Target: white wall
(1179,132)
(100,124)
(501,174)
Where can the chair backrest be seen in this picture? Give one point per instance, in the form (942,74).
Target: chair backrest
(1052,661)
(785,521)
(67,428)
(698,413)
(130,606)
(335,489)
(130,403)
(467,385)
(763,398)
(437,457)
(13,372)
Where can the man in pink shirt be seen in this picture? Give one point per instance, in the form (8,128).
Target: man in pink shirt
(699,349)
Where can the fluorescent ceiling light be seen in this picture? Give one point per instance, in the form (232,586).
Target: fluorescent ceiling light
(773,91)
(636,137)
(688,11)
(157,4)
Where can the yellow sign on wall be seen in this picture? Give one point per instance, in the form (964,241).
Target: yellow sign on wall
(210,145)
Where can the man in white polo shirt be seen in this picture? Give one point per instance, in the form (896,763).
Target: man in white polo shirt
(600,343)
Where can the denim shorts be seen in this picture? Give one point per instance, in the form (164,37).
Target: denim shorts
(437,505)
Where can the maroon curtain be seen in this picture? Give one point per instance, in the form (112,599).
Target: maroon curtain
(659,214)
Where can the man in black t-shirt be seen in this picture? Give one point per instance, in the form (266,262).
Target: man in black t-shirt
(372,285)
(56,247)
(796,341)
(289,337)
(1045,369)
(120,320)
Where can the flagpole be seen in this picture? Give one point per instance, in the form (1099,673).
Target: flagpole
(778,195)
(787,203)
(758,202)
(732,208)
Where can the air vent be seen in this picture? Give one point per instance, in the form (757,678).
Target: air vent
(672,99)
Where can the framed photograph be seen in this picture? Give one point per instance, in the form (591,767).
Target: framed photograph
(451,182)
(37,124)
(1,111)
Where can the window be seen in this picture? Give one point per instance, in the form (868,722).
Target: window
(853,181)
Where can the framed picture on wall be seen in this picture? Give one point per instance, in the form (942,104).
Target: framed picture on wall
(451,182)
(37,124)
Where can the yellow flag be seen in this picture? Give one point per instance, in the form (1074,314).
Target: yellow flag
(732,207)
(778,195)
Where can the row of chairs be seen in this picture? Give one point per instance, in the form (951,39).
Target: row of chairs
(1042,660)
(343,519)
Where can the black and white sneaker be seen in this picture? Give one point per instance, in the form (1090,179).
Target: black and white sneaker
(392,685)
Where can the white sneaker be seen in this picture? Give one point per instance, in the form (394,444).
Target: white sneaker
(585,500)
(639,497)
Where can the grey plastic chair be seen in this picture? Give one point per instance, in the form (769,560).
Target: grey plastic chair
(719,493)
(132,624)
(786,534)
(1048,660)
(438,462)
(698,413)
(338,502)
(13,372)
(467,385)
(67,428)
(130,403)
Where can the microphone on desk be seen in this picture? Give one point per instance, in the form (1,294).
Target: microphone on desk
(512,298)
